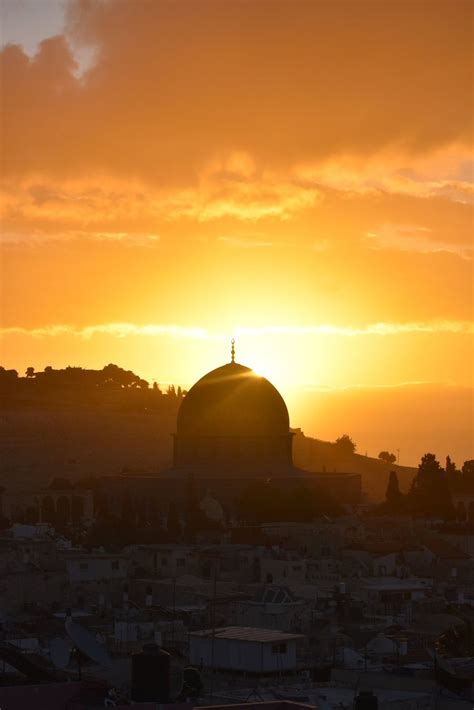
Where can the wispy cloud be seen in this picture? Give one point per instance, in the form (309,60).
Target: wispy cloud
(116,330)
(123,330)
(321,245)
(125,237)
(446,173)
(409,384)
(413,238)
(234,187)
(371,329)
(245,242)
(35,237)
(36,211)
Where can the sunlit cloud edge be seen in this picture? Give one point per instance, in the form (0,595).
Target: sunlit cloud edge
(123,330)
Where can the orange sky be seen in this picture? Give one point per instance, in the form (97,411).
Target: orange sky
(298,174)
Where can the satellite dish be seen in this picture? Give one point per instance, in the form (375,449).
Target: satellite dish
(86,643)
(192,686)
(60,652)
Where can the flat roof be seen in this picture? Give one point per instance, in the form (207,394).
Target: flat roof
(396,583)
(72,556)
(247,633)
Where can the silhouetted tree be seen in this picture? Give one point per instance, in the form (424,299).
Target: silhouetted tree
(428,468)
(8,381)
(450,466)
(118,377)
(429,492)
(467,476)
(112,387)
(468,468)
(345,445)
(387,457)
(453,475)
(393,495)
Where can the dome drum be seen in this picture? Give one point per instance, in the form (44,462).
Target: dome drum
(227,453)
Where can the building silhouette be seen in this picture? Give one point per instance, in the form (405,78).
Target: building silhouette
(233,421)
(233,430)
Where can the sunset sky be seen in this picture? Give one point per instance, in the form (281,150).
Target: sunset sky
(295,173)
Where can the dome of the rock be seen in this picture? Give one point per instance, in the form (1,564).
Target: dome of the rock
(233,401)
(233,418)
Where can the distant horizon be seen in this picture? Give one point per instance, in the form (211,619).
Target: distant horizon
(325,413)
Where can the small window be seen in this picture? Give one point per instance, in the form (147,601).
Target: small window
(115,564)
(279,648)
(83,565)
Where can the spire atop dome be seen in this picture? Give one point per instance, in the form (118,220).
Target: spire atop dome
(232,350)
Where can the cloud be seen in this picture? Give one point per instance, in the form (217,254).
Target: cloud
(247,242)
(107,206)
(413,238)
(123,330)
(117,330)
(371,329)
(36,237)
(126,237)
(187,82)
(408,385)
(234,187)
(321,245)
(445,173)
(196,129)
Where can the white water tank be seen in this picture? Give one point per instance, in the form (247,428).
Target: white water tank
(403,647)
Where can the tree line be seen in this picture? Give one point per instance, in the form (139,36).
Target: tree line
(111,384)
(432,489)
